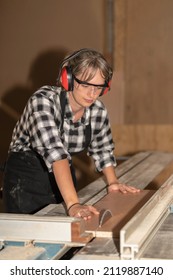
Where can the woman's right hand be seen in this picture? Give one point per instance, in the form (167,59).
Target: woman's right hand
(82,211)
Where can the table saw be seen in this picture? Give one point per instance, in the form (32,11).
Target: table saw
(130,226)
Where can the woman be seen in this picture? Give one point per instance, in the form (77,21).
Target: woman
(58,122)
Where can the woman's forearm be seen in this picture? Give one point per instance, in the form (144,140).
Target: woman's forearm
(64,181)
(110,175)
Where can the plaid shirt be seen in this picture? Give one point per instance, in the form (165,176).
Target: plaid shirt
(38,129)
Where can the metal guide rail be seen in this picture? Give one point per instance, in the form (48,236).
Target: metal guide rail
(139,231)
(33,237)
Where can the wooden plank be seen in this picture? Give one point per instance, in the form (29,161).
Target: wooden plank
(161,177)
(139,170)
(97,189)
(106,243)
(78,233)
(145,172)
(98,185)
(131,163)
(122,206)
(136,171)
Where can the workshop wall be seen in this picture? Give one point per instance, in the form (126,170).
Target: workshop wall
(144,61)
(133,138)
(149,62)
(144,68)
(35,36)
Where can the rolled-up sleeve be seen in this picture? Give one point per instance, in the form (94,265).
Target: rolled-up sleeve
(45,135)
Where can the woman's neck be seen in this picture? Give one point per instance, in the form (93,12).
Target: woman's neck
(77,109)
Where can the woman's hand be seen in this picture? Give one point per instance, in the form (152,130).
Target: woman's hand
(82,211)
(122,188)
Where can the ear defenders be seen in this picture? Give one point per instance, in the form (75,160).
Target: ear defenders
(106,89)
(66,76)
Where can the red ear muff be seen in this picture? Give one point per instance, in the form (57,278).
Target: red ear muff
(66,78)
(105,90)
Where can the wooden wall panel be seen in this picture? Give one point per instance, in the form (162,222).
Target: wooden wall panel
(148,62)
(130,139)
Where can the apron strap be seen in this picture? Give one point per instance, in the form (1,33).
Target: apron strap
(88,127)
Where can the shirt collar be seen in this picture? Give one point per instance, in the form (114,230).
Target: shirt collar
(69,114)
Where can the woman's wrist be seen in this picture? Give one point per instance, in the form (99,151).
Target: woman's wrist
(76,203)
(113,183)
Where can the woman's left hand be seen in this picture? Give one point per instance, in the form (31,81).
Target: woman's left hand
(122,188)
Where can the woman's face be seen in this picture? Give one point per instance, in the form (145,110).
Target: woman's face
(85,94)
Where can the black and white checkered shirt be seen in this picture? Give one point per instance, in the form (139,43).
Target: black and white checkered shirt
(39,129)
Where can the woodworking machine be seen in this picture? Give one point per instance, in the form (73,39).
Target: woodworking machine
(35,237)
(147,235)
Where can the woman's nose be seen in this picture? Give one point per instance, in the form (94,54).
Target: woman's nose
(91,91)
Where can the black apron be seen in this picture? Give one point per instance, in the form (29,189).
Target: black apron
(28,186)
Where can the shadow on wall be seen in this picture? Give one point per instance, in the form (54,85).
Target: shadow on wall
(43,71)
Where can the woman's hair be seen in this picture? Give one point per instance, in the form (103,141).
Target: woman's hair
(85,60)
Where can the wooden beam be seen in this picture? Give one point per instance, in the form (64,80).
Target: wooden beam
(123,208)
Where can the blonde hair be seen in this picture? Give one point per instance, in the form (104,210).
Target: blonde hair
(87,62)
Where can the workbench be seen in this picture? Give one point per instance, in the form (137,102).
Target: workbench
(145,231)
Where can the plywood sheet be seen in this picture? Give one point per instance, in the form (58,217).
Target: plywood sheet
(122,206)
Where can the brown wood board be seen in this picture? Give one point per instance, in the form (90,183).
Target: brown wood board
(123,208)
(78,234)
